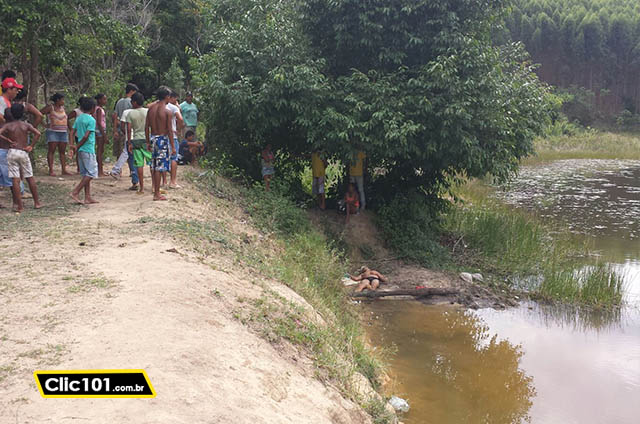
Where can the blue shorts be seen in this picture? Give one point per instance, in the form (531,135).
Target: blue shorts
(87,164)
(5,181)
(176,144)
(57,136)
(160,157)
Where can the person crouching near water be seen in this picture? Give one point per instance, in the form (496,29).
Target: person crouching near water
(369,279)
(16,133)
(351,201)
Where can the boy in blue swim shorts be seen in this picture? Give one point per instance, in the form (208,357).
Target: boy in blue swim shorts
(159,135)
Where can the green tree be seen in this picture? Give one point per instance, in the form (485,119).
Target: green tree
(174,77)
(417,85)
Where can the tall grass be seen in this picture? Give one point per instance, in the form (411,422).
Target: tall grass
(516,243)
(506,240)
(587,144)
(599,285)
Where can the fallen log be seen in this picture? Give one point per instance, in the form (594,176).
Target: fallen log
(429,291)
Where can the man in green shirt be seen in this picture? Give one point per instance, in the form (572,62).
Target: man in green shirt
(137,142)
(189,113)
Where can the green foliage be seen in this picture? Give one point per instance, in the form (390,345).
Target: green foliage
(508,242)
(275,212)
(627,120)
(174,77)
(578,104)
(418,86)
(411,225)
(74,39)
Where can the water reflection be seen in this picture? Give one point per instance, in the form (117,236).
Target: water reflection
(577,318)
(451,367)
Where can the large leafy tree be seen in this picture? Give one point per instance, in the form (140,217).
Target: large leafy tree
(76,43)
(416,84)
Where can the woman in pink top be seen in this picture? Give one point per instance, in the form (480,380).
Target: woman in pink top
(101,131)
(57,131)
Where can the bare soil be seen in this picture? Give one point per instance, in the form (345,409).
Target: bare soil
(366,247)
(106,286)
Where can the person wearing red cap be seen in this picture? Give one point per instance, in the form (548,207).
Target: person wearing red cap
(10,88)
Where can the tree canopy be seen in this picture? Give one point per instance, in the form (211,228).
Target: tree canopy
(419,86)
(589,43)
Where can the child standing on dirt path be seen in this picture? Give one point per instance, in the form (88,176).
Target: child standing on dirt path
(16,133)
(101,131)
(85,126)
(136,140)
(159,134)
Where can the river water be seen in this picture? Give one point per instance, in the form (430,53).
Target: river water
(533,363)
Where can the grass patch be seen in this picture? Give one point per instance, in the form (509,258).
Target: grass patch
(204,237)
(56,203)
(89,284)
(599,286)
(5,371)
(587,144)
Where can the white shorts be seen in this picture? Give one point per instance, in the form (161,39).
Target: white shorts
(19,161)
(317,185)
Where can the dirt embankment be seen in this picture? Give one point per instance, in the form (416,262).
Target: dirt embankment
(125,284)
(365,246)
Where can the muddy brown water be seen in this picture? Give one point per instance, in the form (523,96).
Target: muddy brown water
(534,363)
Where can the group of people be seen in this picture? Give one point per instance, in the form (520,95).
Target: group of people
(354,199)
(148,134)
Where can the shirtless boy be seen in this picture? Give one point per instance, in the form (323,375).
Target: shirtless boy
(159,135)
(369,279)
(16,134)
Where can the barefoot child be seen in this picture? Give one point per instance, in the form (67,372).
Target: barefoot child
(351,200)
(159,133)
(16,133)
(85,127)
(136,140)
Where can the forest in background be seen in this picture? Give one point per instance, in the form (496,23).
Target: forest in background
(590,49)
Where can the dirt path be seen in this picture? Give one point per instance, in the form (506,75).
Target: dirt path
(101,287)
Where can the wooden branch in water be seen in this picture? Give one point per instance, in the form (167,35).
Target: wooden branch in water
(429,291)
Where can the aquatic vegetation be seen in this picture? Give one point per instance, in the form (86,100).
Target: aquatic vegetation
(520,244)
(504,240)
(598,285)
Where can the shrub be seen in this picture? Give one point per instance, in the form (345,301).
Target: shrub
(411,226)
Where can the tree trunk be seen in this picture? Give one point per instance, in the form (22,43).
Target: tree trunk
(34,73)
(430,291)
